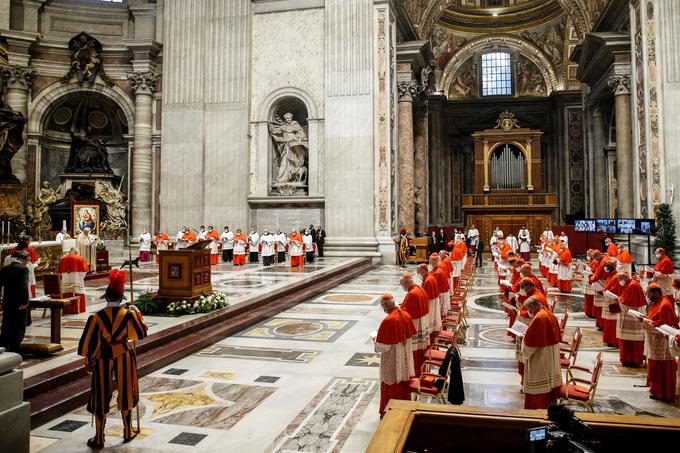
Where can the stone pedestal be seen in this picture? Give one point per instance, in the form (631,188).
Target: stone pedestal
(15,414)
(620,85)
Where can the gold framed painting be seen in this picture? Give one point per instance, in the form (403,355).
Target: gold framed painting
(85,215)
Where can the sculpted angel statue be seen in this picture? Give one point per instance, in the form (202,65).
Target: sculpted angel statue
(292,149)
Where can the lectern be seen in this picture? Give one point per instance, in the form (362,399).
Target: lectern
(185,273)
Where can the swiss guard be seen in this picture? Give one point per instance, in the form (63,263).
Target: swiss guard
(110,356)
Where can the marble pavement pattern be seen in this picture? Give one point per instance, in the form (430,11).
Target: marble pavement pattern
(291,391)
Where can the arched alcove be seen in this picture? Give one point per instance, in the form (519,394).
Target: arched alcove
(289,147)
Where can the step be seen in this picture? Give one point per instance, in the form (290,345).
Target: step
(65,388)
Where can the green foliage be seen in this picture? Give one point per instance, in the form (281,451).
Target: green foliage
(101,246)
(665,230)
(149,304)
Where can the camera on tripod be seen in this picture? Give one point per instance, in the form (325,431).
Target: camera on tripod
(564,435)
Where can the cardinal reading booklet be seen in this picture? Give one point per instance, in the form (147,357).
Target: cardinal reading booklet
(668,330)
(518,328)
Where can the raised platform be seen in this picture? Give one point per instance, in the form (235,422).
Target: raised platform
(64,388)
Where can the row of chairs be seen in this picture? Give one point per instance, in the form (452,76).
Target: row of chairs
(433,381)
(580,382)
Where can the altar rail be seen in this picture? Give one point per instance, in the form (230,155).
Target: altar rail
(49,252)
(522,201)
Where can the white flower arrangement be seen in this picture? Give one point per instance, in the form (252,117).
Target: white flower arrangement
(204,304)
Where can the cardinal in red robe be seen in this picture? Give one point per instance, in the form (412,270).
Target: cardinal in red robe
(73,269)
(541,357)
(663,271)
(610,309)
(628,329)
(416,305)
(393,342)
(661,364)
(429,285)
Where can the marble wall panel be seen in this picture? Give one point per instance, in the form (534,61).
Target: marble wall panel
(287,219)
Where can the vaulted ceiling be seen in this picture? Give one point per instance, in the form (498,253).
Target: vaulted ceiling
(476,17)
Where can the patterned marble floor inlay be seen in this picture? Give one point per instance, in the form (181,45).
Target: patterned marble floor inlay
(323,330)
(367,359)
(255,353)
(349,299)
(322,425)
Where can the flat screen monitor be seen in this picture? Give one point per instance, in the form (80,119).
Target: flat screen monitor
(644,227)
(607,226)
(625,226)
(584,225)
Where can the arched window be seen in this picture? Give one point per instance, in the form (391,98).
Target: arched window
(496,74)
(507,168)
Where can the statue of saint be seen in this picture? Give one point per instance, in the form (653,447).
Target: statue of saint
(46,198)
(11,139)
(88,154)
(292,149)
(116,207)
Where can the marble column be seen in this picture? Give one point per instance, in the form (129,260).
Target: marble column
(18,82)
(620,85)
(420,173)
(144,84)
(599,164)
(468,169)
(407,91)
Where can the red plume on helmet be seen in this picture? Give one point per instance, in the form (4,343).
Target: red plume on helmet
(116,288)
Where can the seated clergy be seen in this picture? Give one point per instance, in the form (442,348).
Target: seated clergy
(73,269)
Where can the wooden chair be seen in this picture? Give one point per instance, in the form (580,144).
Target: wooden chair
(425,384)
(568,355)
(54,288)
(563,322)
(581,391)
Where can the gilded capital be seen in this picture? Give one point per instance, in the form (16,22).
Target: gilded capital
(407,90)
(619,84)
(143,82)
(16,76)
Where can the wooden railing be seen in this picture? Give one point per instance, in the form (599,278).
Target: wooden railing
(526,200)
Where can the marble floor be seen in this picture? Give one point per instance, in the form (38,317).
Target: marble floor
(306,380)
(238,283)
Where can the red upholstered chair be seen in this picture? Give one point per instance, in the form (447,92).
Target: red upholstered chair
(568,354)
(581,391)
(425,384)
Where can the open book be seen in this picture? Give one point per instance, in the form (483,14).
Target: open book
(505,283)
(668,330)
(597,286)
(508,306)
(636,314)
(587,271)
(40,298)
(649,269)
(373,335)
(610,295)
(511,295)
(518,328)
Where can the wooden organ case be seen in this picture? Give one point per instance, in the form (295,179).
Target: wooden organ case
(508,182)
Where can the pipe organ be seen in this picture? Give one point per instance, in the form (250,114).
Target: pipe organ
(508,188)
(507,168)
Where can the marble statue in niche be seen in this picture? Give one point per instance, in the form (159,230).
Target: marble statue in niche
(11,138)
(88,154)
(290,154)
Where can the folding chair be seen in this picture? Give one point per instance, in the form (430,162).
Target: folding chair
(584,393)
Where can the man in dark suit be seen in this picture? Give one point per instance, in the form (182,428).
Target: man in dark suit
(320,239)
(14,283)
(478,253)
